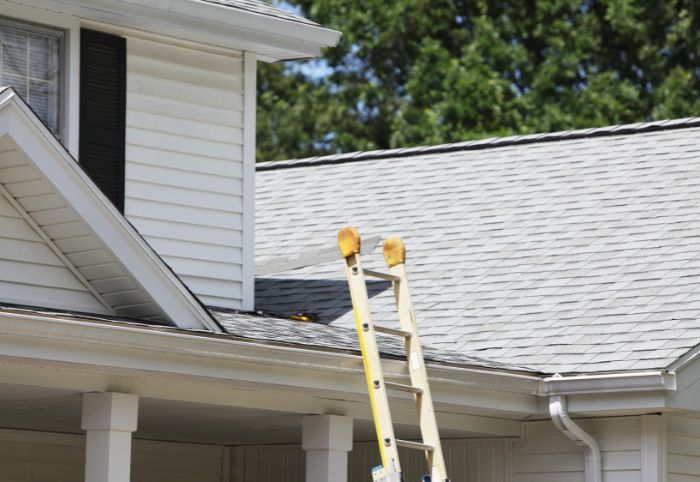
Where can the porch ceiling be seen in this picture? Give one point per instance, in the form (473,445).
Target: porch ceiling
(58,410)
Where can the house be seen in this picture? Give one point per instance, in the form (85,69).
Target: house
(130,347)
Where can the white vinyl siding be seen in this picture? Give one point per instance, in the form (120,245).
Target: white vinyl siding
(683,448)
(30,272)
(467,461)
(36,456)
(40,456)
(268,463)
(184,163)
(31,456)
(546,455)
(176,462)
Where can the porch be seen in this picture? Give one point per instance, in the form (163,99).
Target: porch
(102,401)
(42,439)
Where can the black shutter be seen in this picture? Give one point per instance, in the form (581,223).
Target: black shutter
(103,111)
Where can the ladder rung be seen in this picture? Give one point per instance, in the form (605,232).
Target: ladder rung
(392,331)
(403,388)
(377,274)
(414,445)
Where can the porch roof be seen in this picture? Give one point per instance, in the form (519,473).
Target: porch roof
(272,329)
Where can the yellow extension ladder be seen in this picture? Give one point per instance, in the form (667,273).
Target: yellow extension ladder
(395,256)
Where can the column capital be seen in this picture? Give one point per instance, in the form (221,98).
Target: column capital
(327,432)
(110,411)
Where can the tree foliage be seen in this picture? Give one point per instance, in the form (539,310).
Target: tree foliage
(412,72)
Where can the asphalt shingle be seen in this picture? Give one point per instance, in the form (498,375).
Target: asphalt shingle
(261,8)
(261,327)
(583,245)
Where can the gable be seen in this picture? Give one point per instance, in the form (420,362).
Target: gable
(32,269)
(47,188)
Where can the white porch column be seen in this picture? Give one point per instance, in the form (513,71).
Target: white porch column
(327,439)
(109,419)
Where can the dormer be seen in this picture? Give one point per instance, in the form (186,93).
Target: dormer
(156,101)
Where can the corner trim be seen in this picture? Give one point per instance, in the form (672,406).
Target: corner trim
(249,104)
(653,450)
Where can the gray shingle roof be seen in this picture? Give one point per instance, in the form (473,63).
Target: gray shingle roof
(280,330)
(262,8)
(570,252)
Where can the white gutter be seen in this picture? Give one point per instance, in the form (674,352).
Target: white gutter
(658,380)
(201,346)
(591,450)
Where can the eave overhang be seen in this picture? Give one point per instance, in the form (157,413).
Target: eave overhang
(154,361)
(157,362)
(271,38)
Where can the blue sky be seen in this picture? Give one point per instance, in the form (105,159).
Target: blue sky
(316,69)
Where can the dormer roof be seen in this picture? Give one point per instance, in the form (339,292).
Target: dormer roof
(91,257)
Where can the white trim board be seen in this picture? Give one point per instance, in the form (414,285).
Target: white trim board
(271,38)
(125,250)
(70,80)
(249,102)
(653,448)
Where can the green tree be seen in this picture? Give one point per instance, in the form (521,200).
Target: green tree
(412,72)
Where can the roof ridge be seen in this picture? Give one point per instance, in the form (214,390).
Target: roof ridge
(625,129)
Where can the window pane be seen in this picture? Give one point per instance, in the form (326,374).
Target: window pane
(42,97)
(16,82)
(14,52)
(30,63)
(43,57)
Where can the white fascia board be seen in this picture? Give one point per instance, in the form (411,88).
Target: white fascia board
(650,381)
(117,234)
(225,362)
(270,37)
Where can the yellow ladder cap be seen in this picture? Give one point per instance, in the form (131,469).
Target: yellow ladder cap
(349,241)
(394,251)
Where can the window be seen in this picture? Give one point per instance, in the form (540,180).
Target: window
(30,62)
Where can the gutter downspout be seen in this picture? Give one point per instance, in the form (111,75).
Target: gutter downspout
(560,417)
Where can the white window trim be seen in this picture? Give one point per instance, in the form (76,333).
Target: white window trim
(60,35)
(70,63)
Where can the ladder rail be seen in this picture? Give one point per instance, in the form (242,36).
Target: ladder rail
(419,375)
(349,243)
